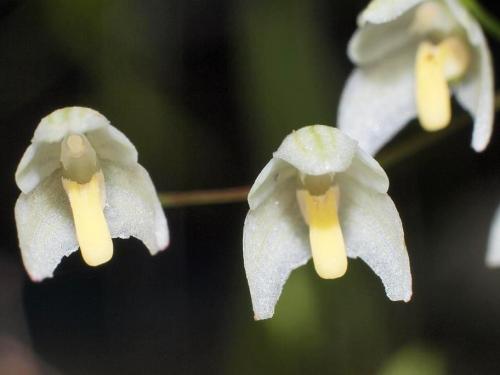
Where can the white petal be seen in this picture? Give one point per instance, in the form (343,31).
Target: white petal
(45,227)
(476,92)
(111,144)
(493,253)
(56,125)
(463,17)
(373,231)
(368,172)
(381,11)
(372,42)
(133,207)
(476,95)
(42,156)
(275,242)
(386,25)
(317,149)
(274,173)
(378,101)
(39,161)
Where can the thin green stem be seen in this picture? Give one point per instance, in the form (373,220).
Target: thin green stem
(201,197)
(486,19)
(387,159)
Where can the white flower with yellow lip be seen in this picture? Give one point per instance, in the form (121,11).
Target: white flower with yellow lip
(411,56)
(321,196)
(81,186)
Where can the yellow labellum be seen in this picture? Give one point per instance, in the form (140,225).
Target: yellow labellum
(325,234)
(435,67)
(91,227)
(433,94)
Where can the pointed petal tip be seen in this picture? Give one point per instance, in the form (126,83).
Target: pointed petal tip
(265,316)
(492,263)
(408,298)
(403,297)
(479,146)
(274,244)
(163,233)
(162,246)
(37,279)
(38,276)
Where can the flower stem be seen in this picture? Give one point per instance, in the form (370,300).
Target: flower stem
(486,19)
(387,159)
(201,197)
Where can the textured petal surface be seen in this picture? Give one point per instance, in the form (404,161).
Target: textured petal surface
(274,173)
(373,231)
(382,11)
(493,253)
(39,161)
(375,41)
(133,207)
(463,17)
(378,101)
(386,25)
(275,242)
(317,149)
(368,172)
(45,227)
(476,92)
(56,125)
(111,144)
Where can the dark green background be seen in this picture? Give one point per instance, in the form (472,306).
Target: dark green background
(207,90)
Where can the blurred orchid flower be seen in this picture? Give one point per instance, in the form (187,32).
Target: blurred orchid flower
(493,252)
(81,186)
(321,196)
(411,55)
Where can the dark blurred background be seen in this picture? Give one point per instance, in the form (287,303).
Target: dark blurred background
(206,90)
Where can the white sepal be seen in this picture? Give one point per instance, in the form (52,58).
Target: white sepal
(317,150)
(111,144)
(368,172)
(45,227)
(274,173)
(372,42)
(476,91)
(39,161)
(378,101)
(54,127)
(382,11)
(132,206)
(275,242)
(373,231)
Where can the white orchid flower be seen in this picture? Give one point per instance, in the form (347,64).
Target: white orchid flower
(81,186)
(411,56)
(493,251)
(321,196)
